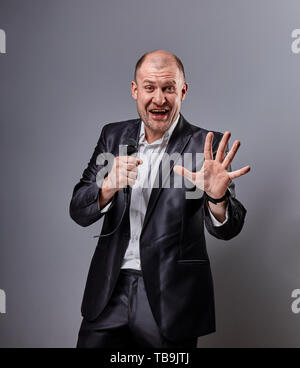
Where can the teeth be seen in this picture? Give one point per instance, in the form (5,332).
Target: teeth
(158,110)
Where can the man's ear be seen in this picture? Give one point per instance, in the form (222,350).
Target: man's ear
(134,89)
(184,89)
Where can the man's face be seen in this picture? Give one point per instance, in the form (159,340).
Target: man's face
(159,90)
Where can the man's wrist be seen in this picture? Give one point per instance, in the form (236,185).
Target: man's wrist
(219,209)
(216,221)
(218,200)
(106,193)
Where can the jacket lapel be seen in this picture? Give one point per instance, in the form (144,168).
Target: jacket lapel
(134,133)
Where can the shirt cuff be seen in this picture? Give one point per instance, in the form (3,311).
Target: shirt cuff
(214,220)
(105,208)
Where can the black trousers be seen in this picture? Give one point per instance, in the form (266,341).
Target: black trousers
(127,320)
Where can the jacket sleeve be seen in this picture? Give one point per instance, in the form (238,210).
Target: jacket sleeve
(235,222)
(236,213)
(84,209)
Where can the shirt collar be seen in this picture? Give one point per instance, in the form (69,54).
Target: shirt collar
(164,138)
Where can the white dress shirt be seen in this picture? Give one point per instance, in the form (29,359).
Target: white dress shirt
(141,191)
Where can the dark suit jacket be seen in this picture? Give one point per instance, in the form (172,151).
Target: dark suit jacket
(174,260)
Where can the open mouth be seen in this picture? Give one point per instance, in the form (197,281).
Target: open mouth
(159,113)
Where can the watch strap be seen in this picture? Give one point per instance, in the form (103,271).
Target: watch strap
(218,200)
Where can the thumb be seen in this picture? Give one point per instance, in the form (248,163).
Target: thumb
(180,170)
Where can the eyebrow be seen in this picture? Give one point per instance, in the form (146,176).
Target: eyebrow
(172,81)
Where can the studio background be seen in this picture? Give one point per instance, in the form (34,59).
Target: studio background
(67,71)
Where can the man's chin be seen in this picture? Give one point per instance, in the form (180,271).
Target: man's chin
(160,126)
(156,125)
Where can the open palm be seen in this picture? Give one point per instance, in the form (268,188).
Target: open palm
(214,178)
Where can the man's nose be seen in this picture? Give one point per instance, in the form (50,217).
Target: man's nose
(159,97)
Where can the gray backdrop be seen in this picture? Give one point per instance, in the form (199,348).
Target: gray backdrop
(67,72)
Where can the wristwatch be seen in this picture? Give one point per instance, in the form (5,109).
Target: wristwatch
(218,200)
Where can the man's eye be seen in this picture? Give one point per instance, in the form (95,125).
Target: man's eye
(170,89)
(149,88)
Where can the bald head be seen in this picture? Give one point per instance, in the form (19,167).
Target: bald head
(160,59)
(159,89)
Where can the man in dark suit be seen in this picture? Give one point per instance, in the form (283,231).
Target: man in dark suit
(150,283)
